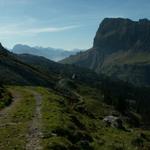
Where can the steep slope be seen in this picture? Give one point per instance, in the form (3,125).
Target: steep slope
(50,53)
(58,70)
(84,76)
(14,71)
(121,50)
(36,70)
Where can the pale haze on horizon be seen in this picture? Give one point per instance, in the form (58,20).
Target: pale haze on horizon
(66,24)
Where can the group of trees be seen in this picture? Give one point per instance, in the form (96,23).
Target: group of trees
(126,97)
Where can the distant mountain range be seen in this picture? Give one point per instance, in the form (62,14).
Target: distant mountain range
(121,50)
(27,69)
(50,53)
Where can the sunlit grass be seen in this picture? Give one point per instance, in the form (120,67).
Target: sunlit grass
(14,126)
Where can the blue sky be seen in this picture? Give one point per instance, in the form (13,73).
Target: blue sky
(64,24)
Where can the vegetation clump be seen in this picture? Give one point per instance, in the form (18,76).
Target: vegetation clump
(5,97)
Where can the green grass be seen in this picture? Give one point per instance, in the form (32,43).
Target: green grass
(14,126)
(129,58)
(137,58)
(64,126)
(57,124)
(106,138)
(54,117)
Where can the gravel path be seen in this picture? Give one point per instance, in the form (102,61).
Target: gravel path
(33,137)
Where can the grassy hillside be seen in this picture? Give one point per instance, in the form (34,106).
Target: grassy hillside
(79,124)
(13,71)
(70,123)
(57,71)
(15,119)
(66,123)
(108,87)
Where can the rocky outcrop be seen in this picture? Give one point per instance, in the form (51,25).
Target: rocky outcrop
(112,121)
(122,34)
(121,49)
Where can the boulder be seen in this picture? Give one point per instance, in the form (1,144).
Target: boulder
(113,121)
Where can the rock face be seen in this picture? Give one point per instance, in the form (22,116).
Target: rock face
(120,34)
(121,49)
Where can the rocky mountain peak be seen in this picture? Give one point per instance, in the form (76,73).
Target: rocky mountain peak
(121,50)
(115,34)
